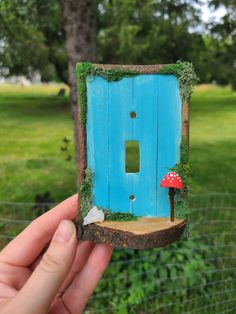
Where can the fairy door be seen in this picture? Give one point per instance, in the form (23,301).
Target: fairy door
(133,135)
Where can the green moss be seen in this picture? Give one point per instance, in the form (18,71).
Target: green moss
(117,216)
(184,71)
(86,193)
(81,70)
(181,201)
(183,169)
(85,69)
(87,201)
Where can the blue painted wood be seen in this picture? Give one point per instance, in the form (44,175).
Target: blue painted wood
(120,130)
(157,127)
(97,137)
(145,130)
(169,135)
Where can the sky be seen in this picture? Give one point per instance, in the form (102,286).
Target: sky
(209,13)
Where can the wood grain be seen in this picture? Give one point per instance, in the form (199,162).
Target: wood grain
(145,233)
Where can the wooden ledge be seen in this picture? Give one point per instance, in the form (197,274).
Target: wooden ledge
(144,233)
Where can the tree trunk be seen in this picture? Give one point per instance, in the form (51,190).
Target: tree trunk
(80,29)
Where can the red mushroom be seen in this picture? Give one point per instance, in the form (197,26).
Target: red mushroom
(172,181)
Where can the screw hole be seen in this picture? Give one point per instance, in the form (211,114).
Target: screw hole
(132,197)
(133,114)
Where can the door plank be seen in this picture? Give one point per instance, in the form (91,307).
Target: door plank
(120,130)
(169,135)
(97,138)
(145,130)
(157,126)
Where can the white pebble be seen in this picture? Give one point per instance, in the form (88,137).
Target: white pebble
(94,215)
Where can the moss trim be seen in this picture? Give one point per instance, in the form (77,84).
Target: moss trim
(183,170)
(87,201)
(86,193)
(181,202)
(117,216)
(187,78)
(184,71)
(85,69)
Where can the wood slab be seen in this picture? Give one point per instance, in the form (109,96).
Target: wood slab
(144,233)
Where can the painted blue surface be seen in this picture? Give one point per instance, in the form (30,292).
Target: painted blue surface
(157,127)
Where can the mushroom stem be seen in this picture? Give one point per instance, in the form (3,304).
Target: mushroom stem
(172,203)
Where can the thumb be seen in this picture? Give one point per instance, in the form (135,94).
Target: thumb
(39,291)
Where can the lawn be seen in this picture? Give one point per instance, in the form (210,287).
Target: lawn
(213,139)
(34,121)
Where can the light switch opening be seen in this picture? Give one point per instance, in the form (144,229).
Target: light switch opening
(132,157)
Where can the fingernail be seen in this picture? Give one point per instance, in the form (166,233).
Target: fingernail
(63,232)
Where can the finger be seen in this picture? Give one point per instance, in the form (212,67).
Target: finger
(26,247)
(41,288)
(6,291)
(84,249)
(36,262)
(14,276)
(86,281)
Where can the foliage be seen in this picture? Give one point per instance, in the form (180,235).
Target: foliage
(65,148)
(42,203)
(128,31)
(148,275)
(147,32)
(32,39)
(187,78)
(221,49)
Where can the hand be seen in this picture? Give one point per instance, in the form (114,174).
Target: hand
(59,281)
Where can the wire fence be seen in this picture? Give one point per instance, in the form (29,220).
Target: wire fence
(193,276)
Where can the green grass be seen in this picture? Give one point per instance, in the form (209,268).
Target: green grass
(33,121)
(213,140)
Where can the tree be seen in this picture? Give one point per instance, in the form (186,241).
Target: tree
(223,43)
(32,39)
(80,28)
(134,31)
(36,37)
